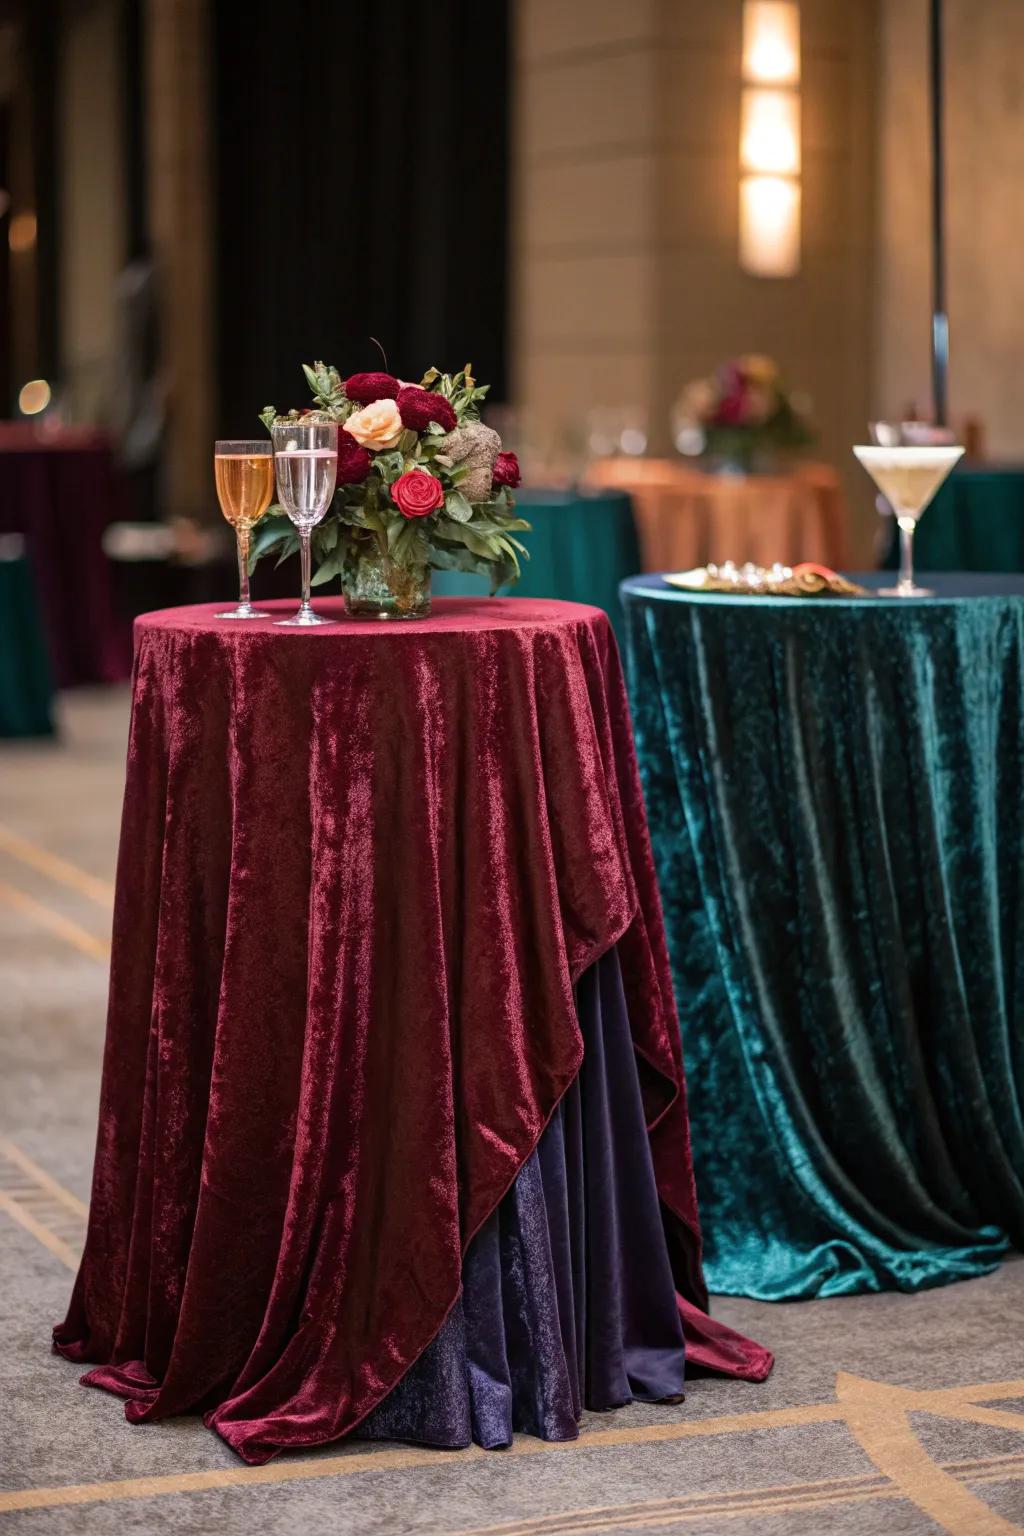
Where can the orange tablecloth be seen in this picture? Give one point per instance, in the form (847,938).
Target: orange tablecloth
(686,517)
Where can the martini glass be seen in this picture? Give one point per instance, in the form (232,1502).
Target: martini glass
(908,475)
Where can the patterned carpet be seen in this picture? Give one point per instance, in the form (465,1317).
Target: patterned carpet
(886,1414)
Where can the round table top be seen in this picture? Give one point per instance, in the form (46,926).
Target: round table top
(460,615)
(945,586)
(686,474)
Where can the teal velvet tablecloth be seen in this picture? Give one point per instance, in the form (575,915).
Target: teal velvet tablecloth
(581,547)
(835,791)
(26,688)
(975,523)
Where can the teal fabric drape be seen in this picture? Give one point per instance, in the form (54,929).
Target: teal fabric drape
(975,523)
(25,683)
(581,548)
(835,792)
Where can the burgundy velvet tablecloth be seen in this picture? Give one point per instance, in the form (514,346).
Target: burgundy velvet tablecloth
(361,869)
(60,493)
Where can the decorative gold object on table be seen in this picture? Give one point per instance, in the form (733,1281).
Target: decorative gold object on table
(806,580)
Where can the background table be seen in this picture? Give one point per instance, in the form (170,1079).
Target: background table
(975,523)
(60,492)
(370,884)
(835,792)
(686,517)
(25,685)
(582,545)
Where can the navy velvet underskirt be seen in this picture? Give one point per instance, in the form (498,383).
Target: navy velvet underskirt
(567,1293)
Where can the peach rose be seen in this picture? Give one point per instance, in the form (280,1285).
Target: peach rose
(377,426)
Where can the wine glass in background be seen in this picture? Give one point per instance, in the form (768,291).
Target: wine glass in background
(244,474)
(908,468)
(306,458)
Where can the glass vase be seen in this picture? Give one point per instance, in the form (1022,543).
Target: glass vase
(376,587)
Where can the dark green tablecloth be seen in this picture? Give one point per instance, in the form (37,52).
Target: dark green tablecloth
(581,548)
(975,523)
(836,799)
(25,686)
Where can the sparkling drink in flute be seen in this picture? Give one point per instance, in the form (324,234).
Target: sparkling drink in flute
(908,475)
(306,458)
(244,476)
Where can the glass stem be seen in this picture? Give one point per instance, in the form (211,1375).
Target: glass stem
(907,526)
(305,557)
(243,567)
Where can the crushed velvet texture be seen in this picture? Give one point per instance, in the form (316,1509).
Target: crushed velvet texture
(360,870)
(567,1292)
(836,801)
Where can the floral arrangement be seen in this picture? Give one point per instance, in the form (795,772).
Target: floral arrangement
(742,411)
(422,483)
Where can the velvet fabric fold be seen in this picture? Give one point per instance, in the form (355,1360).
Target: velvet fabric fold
(360,872)
(835,794)
(568,1298)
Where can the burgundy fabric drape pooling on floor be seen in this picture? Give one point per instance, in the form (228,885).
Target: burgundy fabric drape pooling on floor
(361,870)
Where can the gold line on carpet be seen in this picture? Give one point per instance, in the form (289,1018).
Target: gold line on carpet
(39,1177)
(647,1511)
(879,1416)
(992,1469)
(49,1239)
(945,1399)
(56,868)
(63,927)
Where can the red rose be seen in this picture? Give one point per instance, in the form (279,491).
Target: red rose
(365,388)
(419,407)
(416,493)
(354,463)
(506,470)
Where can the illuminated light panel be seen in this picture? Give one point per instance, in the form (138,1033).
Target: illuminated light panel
(770,135)
(34,397)
(770,226)
(771,42)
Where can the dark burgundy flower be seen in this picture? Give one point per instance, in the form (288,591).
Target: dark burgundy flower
(506,471)
(354,463)
(365,388)
(417,492)
(419,407)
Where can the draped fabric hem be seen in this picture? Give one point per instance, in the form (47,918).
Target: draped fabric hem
(711,1347)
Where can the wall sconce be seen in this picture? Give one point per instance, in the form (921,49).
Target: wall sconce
(770,139)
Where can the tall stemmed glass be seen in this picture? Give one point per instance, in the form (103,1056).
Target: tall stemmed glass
(307,467)
(244,474)
(908,474)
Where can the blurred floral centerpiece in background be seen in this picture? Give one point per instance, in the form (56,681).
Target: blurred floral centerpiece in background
(422,484)
(742,418)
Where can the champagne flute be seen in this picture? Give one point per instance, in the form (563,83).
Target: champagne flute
(244,474)
(306,457)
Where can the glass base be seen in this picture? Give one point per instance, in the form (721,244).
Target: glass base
(304,619)
(908,591)
(243,611)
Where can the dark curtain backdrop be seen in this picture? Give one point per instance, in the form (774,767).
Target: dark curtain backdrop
(362,183)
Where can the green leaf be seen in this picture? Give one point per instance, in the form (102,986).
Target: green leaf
(457,507)
(329,568)
(311,378)
(325,537)
(268,416)
(389,465)
(271,529)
